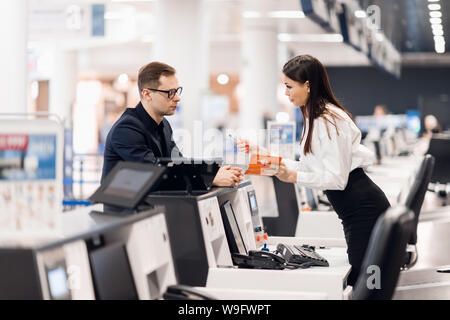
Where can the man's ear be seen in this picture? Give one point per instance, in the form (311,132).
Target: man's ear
(146,95)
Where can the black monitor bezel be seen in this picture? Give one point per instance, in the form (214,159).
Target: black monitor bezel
(99,195)
(98,281)
(254,212)
(231,237)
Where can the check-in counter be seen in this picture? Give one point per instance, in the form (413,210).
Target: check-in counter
(94,257)
(202,255)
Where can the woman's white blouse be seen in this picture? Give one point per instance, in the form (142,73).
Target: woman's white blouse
(333,159)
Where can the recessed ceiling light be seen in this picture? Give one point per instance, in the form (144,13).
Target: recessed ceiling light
(437,32)
(434,6)
(360,14)
(435,14)
(326,37)
(287,14)
(223,79)
(440,39)
(251,14)
(122,79)
(439,47)
(436,26)
(435,20)
(379,36)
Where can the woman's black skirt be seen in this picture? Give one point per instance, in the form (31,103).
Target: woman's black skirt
(358,206)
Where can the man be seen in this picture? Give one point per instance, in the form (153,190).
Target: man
(142,134)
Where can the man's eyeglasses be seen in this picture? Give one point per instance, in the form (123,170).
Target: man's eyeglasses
(170,93)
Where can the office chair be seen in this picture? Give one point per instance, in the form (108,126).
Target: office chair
(413,201)
(384,255)
(440,149)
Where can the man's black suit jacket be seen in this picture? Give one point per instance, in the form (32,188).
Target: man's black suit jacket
(134,138)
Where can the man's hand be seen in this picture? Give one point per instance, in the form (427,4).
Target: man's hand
(286,175)
(228,176)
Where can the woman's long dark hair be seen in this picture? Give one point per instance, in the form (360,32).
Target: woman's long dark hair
(307,68)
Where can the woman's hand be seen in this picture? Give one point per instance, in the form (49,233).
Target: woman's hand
(244,145)
(286,175)
(228,176)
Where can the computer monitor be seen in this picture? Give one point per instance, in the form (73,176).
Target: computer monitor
(127,184)
(57,280)
(187,174)
(312,198)
(265,193)
(232,231)
(111,272)
(256,220)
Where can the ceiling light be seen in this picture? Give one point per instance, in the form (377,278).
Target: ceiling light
(435,20)
(437,32)
(288,14)
(436,26)
(434,6)
(251,14)
(379,36)
(122,79)
(433,0)
(435,14)
(360,14)
(223,79)
(327,37)
(439,47)
(439,39)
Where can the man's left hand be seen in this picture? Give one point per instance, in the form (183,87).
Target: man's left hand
(228,176)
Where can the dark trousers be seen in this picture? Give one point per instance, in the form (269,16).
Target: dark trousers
(358,207)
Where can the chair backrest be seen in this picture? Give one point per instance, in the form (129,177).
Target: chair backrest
(384,255)
(416,194)
(440,149)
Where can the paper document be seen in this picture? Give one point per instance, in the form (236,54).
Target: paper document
(263,165)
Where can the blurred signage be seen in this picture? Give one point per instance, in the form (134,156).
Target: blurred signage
(27,157)
(13,142)
(361,31)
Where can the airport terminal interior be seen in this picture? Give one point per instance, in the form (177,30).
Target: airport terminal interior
(156,226)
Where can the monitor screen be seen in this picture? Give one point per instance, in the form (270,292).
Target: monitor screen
(127,184)
(113,279)
(58,282)
(188,174)
(232,231)
(265,193)
(254,211)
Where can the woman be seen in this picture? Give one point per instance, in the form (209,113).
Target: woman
(332,157)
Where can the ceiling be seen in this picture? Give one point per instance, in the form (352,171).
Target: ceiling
(130,25)
(407,23)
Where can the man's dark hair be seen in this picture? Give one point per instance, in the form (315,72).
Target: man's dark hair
(149,75)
